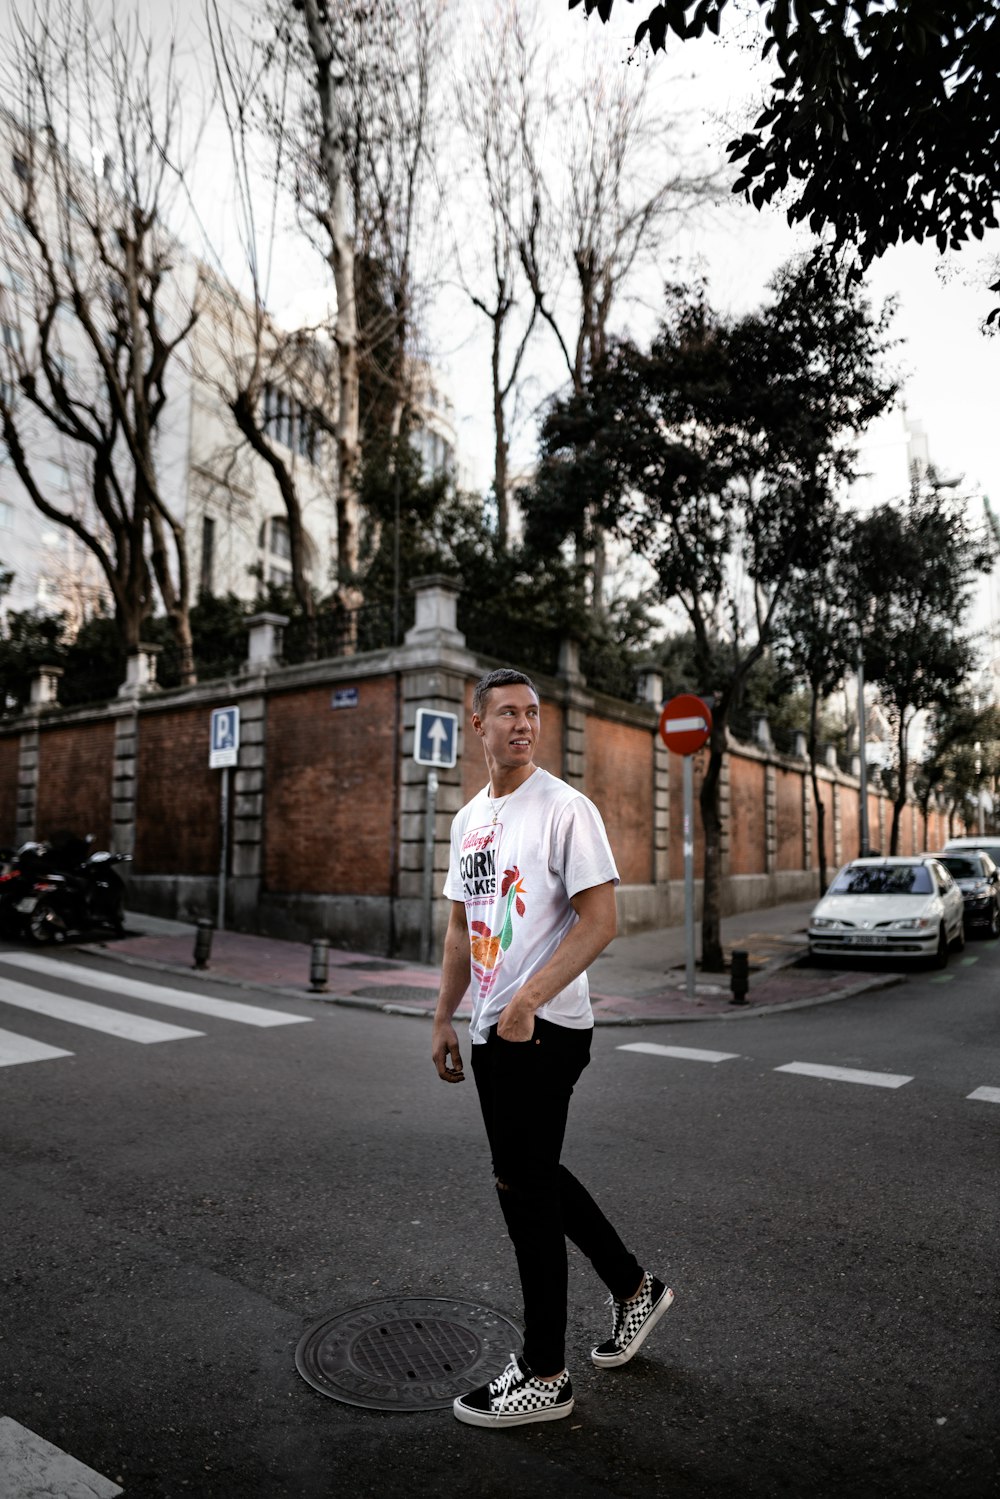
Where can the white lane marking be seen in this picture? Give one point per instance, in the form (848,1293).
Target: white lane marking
(846,1074)
(157,994)
(94,1017)
(986,1095)
(15,1049)
(686,1053)
(31,1467)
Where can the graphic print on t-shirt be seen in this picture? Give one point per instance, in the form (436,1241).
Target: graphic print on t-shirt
(478,869)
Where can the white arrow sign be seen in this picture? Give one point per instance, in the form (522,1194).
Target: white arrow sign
(435,738)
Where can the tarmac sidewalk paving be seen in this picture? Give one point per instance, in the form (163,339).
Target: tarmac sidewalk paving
(639,980)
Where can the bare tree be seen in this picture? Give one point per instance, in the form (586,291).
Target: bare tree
(348,109)
(96,306)
(500,106)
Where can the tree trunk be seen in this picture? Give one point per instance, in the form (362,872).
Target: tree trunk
(332,102)
(899,801)
(499,441)
(712,956)
(818,806)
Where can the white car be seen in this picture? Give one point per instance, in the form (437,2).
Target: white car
(892,907)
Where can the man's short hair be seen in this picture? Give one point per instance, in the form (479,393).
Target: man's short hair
(504,676)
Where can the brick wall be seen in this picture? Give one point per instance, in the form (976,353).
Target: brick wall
(177,814)
(619,780)
(9,758)
(329,792)
(747,794)
(74,781)
(790,852)
(676,846)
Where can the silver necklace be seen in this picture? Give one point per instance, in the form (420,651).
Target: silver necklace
(497,810)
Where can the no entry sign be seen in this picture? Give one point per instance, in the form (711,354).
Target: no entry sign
(685,724)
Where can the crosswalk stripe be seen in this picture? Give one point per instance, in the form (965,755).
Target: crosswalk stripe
(30,1467)
(685,1053)
(986,1095)
(15,1049)
(846,1074)
(157,994)
(94,1017)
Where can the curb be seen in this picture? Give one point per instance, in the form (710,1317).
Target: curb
(421,1012)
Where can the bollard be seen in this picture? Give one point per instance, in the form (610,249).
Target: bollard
(203,942)
(319,966)
(739,976)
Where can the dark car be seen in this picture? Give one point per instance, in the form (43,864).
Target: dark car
(978,878)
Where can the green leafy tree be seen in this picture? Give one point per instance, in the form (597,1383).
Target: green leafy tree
(719,452)
(31,640)
(913,568)
(882,123)
(819,639)
(961,752)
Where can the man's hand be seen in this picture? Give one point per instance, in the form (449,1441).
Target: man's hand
(444,1050)
(517,1022)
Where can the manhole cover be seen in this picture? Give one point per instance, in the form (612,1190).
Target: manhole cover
(405,993)
(416,1354)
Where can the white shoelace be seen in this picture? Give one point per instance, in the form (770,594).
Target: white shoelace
(507,1379)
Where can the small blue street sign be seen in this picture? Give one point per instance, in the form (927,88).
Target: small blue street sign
(344,697)
(225,738)
(435,738)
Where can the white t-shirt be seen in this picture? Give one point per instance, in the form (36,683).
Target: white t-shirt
(516,878)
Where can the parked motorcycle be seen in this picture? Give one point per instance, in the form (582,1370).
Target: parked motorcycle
(55,889)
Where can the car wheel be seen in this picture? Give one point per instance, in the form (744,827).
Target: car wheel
(959,943)
(993,931)
(940,958)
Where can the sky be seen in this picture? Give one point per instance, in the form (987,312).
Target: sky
(951,370)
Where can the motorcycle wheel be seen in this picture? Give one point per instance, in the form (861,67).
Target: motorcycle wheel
(45,925)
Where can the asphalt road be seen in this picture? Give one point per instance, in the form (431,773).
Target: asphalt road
(176,1212)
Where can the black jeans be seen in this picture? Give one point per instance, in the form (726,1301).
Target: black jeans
(524,1090)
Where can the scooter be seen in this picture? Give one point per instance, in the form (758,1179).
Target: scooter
(61,891)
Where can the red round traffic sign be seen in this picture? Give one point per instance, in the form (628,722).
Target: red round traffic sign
(685,724)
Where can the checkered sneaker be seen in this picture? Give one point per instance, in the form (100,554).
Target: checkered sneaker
(633,1322)
(515,1398)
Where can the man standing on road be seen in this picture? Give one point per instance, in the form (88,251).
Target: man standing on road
(532,884)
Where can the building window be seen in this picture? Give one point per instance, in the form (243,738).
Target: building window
(207,552)
(289,422)
(276,551)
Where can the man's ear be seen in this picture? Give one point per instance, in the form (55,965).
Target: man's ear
(477,724)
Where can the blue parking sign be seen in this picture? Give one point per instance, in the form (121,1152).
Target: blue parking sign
(435,738)
(225,738)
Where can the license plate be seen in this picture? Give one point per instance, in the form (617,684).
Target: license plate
(867,941)
(27,905)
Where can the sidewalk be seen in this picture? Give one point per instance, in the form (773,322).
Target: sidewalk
(638,980)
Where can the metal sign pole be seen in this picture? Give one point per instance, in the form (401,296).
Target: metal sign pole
(689,877)
(220,919)
(427,934)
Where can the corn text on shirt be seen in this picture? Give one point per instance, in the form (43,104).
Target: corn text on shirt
(516,876)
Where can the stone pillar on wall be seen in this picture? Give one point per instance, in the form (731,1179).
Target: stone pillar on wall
(434,669)
(651,692)
(27,785)
(124,783)
(264,641)
(770,819)
(45,686)
(808,813)
(574,713)
(725,813)
(838,827)
(140,671)
(246,856)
